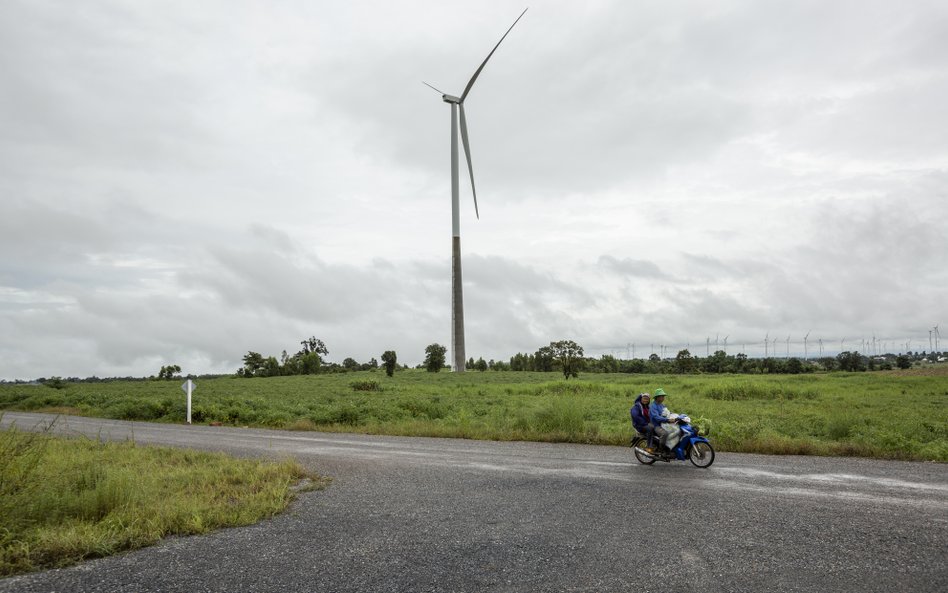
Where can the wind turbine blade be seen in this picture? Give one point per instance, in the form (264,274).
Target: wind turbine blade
(470,83)
(432,88)
(467,154)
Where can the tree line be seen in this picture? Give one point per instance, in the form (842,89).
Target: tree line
(566,357)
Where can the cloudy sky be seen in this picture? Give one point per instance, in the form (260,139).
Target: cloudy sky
(183,182)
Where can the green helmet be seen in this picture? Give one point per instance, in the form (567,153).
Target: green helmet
(659,392)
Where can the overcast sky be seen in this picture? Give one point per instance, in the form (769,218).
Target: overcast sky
(182,182)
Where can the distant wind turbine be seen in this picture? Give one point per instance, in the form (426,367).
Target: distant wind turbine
(725,343)
(805,353)
(457,300)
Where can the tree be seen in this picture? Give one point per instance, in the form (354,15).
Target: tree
(313,345)
(350,364)
(608,364)
(253,362)
(569,355)
(851,361)
(794,366)
(543,359)
(715,363)
(684,361)
(389,361)
(480,365)
(903,362)
(309,363)
(169,372)
(271,367)
(434,357)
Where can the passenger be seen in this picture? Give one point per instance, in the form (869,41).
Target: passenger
(658,414)
(640,417)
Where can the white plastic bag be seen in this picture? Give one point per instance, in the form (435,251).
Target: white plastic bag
(674,434)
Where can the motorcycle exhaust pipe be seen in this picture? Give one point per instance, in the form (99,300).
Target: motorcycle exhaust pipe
(645,453)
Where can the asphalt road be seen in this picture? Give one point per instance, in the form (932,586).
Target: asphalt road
(414,514)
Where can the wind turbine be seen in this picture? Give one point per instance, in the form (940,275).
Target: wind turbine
(937,337)
(766,343)
(805,353)
(457,300)
(725,343)
(788,346)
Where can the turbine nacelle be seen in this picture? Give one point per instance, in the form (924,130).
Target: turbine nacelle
(451,99)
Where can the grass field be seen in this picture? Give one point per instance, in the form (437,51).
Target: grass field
(65,500)
(901,415)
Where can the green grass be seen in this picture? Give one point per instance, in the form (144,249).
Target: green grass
(883,414)
(65,500)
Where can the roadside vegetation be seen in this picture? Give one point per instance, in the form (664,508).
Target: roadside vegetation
(886,414)
(65,500)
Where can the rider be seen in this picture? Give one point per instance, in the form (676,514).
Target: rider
(659,415)
(640,417)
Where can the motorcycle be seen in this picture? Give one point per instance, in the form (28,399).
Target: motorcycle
(690,446)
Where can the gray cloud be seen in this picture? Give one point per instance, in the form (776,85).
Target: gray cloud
(192,182)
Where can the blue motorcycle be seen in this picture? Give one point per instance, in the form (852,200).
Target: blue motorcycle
(690,445)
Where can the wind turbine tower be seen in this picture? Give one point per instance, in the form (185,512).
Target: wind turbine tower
(725,343)
(457,300)
(806,355)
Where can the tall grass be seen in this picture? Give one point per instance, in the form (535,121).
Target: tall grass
(824,414)
(65,500)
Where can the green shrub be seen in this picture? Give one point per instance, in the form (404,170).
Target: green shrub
(365,386)
(56,383)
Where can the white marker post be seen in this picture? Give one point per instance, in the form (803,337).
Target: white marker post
(188,386)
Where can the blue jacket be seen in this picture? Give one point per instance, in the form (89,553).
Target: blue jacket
(658,413)
(639,417)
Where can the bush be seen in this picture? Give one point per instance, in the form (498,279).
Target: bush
(56,383)
(365,386)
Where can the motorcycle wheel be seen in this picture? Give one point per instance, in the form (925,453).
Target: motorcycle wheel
(701,455)
(640,444)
